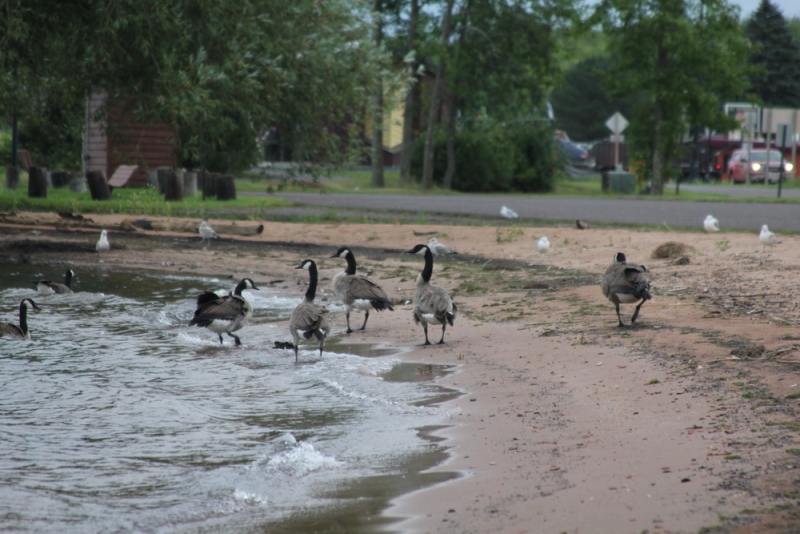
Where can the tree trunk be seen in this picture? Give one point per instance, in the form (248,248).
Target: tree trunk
(656,180)
(98,185)
(447,183)
(427,161)
(377,107)
(173,185)
(226,188)
(37,183)
(409,111)
(12,177)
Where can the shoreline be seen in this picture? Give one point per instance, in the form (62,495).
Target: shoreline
(674,425)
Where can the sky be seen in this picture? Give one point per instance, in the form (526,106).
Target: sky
(789,8)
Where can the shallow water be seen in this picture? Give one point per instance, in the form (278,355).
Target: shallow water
(118,416)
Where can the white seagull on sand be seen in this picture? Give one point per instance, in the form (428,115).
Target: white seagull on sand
(102,244)
(766,237)
(206,232)
(543,245)
(711,224)
(438,248)
(508,213)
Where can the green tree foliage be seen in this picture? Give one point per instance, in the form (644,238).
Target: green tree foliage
(679,60)
(582,105)
(219,72)
(776,56)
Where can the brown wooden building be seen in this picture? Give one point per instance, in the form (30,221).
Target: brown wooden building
(121,140)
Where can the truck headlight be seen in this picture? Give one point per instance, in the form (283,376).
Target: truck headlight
(755,167)
(788,167)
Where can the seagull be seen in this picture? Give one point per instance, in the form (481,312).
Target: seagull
(206,232)
(543,245)
(508,213)
(766,237)
(438,248)
(102,243)
(711,224)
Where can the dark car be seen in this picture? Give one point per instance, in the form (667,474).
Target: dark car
(577,156)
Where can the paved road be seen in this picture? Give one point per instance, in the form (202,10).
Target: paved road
(733,215)
(741,190)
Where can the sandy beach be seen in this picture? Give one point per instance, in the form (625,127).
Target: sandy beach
(685,422)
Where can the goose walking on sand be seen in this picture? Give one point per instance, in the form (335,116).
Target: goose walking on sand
(358,292)
(46,287)
(431,304)
(308,319)
(224,314)
(19,331)
(626,283)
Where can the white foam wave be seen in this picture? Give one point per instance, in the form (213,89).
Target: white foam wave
(300,459)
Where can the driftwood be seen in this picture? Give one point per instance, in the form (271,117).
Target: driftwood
(233,228)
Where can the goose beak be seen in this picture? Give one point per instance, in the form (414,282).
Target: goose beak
(299,266)
(256,288)
(333,256)
(35,307)
(409,251)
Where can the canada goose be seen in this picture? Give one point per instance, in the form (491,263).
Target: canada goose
(543,245)
(508,213)
(102,243)
(356,291)
(224,314)
(711,224)
(46,287)
(766,237)
(431,304)
(21,331)
(308,319)
(206,232)
(626,283)
(439,248)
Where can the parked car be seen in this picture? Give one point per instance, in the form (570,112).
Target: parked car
(576,155)
(757,162)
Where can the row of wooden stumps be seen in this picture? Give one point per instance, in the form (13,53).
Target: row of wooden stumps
(176,185)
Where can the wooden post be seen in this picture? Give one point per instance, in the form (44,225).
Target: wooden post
(226,188)
(190,184)
(163,175)
(37,183)
(12,177)
(209,184)
(98,185)
(173,185)
(59,178)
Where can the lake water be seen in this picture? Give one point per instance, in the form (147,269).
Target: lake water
(118,417)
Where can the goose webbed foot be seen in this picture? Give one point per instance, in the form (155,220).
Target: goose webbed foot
(236,339)
(350,330)
(220,338)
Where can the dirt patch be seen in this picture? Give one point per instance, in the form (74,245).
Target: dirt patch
(688,420)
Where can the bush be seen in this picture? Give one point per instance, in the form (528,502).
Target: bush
(495,159)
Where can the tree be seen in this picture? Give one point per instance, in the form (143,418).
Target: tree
(678,59)
(377,104)
(777,57)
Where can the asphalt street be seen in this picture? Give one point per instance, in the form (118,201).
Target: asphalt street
(732,215)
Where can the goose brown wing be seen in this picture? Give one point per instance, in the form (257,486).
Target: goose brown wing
(11,330)
(307,316)
(218,308)
(360,287)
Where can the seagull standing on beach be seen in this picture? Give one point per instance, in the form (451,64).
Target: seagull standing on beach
(711,224)
(508,213)
(206,232)
(102,244)
(543,245)
(439,248)
(766,237)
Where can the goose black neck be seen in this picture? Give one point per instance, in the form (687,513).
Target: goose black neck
(239,288)
(351,263)
(68,279)
(23,318)
(427,272)
(311,292)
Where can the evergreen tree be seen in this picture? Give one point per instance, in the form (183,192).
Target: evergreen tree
(776,57)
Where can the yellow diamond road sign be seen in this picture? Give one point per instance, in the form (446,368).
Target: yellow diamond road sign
(617,123)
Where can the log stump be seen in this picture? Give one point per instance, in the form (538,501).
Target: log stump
(190,184)
(37,183)
(226,188)
(98,185)
(59,178)
(163,174)
(12,177)
(209,184)
(173,185)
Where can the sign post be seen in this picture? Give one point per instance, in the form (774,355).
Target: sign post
(617,124)
(785,136)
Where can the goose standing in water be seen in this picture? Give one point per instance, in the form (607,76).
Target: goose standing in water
(102,244)
(309,319)
(626,283)
(225,314)
(431,304)
(358,292)
(46,287)
(19,332)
